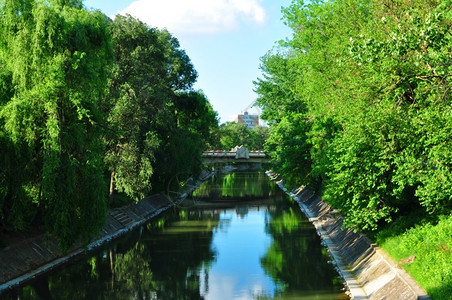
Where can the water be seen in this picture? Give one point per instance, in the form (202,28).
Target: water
(226,243)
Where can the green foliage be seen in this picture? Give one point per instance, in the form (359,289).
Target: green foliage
(82,96)
(131,104)
(232,134)
(259,135)
(367,85)
(184,134)
(361,174)
(278,88)
(156,123)
(54,61)
(288,147)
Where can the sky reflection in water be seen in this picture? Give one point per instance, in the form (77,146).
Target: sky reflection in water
(237,272)
(259,247)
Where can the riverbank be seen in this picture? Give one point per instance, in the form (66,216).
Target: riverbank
(368,271)
(26,260)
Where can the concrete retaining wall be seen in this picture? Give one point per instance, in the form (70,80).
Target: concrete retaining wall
(368,271)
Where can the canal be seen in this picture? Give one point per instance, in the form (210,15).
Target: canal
(238,237)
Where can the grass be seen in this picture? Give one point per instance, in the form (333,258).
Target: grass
(431,242)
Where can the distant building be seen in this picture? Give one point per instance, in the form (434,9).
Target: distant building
(250,121)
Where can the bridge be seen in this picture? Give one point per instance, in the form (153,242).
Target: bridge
(236,155)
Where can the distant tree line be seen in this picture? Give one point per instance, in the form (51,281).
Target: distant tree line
(359,105)
(90,107)
(231,134)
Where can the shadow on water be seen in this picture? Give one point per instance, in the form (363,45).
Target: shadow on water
(242,249)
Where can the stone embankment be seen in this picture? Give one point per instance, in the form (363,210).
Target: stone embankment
(369,273)
(30,258)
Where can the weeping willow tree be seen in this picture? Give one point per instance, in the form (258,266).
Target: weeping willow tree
(53,58)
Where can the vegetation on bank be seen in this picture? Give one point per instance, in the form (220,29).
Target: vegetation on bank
(424,250)
(359,106)
(90,108)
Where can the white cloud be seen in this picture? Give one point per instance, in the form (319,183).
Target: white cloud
(197,16)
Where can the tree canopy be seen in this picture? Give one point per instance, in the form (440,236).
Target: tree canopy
(85,100)
(53,56)
(359,105)
(232,134)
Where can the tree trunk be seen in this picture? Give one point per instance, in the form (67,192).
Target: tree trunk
(112,267)
(112,187)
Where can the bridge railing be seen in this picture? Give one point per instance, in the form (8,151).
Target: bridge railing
(218,153)
(231,154)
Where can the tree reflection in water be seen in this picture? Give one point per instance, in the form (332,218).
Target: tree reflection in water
(295,259)
(237,185)
(178,255)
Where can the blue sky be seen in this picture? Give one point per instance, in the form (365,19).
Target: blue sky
(223,38)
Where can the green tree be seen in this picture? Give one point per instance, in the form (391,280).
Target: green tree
(367,85)
(233,134)
(289,149)
(412,68)
(157,126)
(259,135)
(82,95)
(137,92)
(183,124)
(190,121)
(53,56)
(287,143)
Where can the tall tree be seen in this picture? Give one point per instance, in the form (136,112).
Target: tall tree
(371,82)
(137,92)
(157,126)
(53,56)
(187,132)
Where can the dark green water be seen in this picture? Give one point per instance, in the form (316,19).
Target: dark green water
(240,239)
